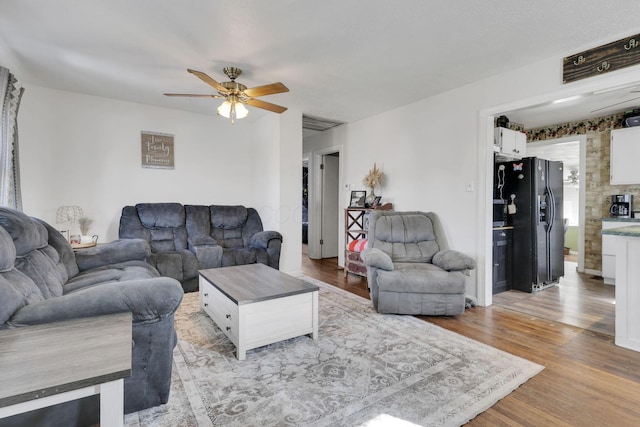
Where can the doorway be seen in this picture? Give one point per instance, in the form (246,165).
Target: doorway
(572,153)
(329,171)
(324,219)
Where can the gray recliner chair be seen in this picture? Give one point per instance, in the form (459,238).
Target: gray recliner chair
(410,268)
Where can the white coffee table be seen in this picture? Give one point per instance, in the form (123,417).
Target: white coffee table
(256,305)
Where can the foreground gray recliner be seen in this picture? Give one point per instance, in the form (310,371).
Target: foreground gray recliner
(185,239)
(42,281)
(410,268)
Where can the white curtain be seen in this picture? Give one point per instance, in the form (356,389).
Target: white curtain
(10,94)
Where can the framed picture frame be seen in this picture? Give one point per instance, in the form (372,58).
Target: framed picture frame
(376,202)
(357,199)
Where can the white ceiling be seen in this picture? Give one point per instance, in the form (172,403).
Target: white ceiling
(342,60)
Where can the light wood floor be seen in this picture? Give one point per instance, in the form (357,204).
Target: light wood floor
(579,300)
(587,380)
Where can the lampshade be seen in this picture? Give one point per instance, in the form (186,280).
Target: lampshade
(233,109)
(69,214)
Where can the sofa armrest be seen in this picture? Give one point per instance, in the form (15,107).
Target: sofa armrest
(113,253)
(451,260)
(208,255)
(148,300)
(207,251)
(373,257)
(263,238)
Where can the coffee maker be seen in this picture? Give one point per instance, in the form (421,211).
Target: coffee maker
(621,206)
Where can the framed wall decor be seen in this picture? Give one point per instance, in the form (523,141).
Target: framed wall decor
(376,202)
(357,199)
(157,150)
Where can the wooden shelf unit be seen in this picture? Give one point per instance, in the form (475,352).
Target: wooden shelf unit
(356,223)
(356,227)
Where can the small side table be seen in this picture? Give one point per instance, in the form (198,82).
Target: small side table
(58,362)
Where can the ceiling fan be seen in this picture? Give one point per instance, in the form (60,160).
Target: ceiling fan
(573,177)
(236,94)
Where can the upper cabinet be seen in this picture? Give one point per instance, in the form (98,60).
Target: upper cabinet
(510,143)
(625,154)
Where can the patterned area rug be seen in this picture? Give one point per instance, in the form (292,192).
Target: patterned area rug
(365,369)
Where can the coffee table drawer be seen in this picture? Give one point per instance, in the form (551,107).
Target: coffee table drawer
(222,310)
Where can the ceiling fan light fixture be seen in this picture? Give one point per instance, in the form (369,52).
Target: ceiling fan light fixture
(233,109)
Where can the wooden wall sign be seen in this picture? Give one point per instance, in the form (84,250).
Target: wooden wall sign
(157,150)
(609,57)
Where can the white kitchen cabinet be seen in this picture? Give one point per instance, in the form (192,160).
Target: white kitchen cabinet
(510,142)
(609,247)
(625,152)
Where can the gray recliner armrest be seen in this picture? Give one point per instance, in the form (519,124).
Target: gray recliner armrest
(373,257)
(148,300)
(452,260)
(113,253)
(262,238)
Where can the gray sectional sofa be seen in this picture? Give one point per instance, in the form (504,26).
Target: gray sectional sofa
(188,238)
(42,280)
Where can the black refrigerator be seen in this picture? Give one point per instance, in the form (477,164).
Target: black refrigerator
(532,190)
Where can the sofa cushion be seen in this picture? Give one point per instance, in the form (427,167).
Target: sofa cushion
(120,272)
(16,289)
(421,278)
(24,232)
(161,215)
(180,265)
(34,257)
(238,256)
(162,240)
(7,251)
(228,217)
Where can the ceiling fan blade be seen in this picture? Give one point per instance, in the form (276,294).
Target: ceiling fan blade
(266,89)
(208,80)
(266,105)
(192,95)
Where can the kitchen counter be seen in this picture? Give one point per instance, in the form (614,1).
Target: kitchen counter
(621,219)
(630,230)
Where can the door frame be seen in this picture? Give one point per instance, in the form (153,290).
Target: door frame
(315,200)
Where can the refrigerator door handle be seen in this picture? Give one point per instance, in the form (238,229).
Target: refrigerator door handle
(552,209)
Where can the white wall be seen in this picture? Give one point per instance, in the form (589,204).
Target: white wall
(85,150)
(290,210)
(276,151)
